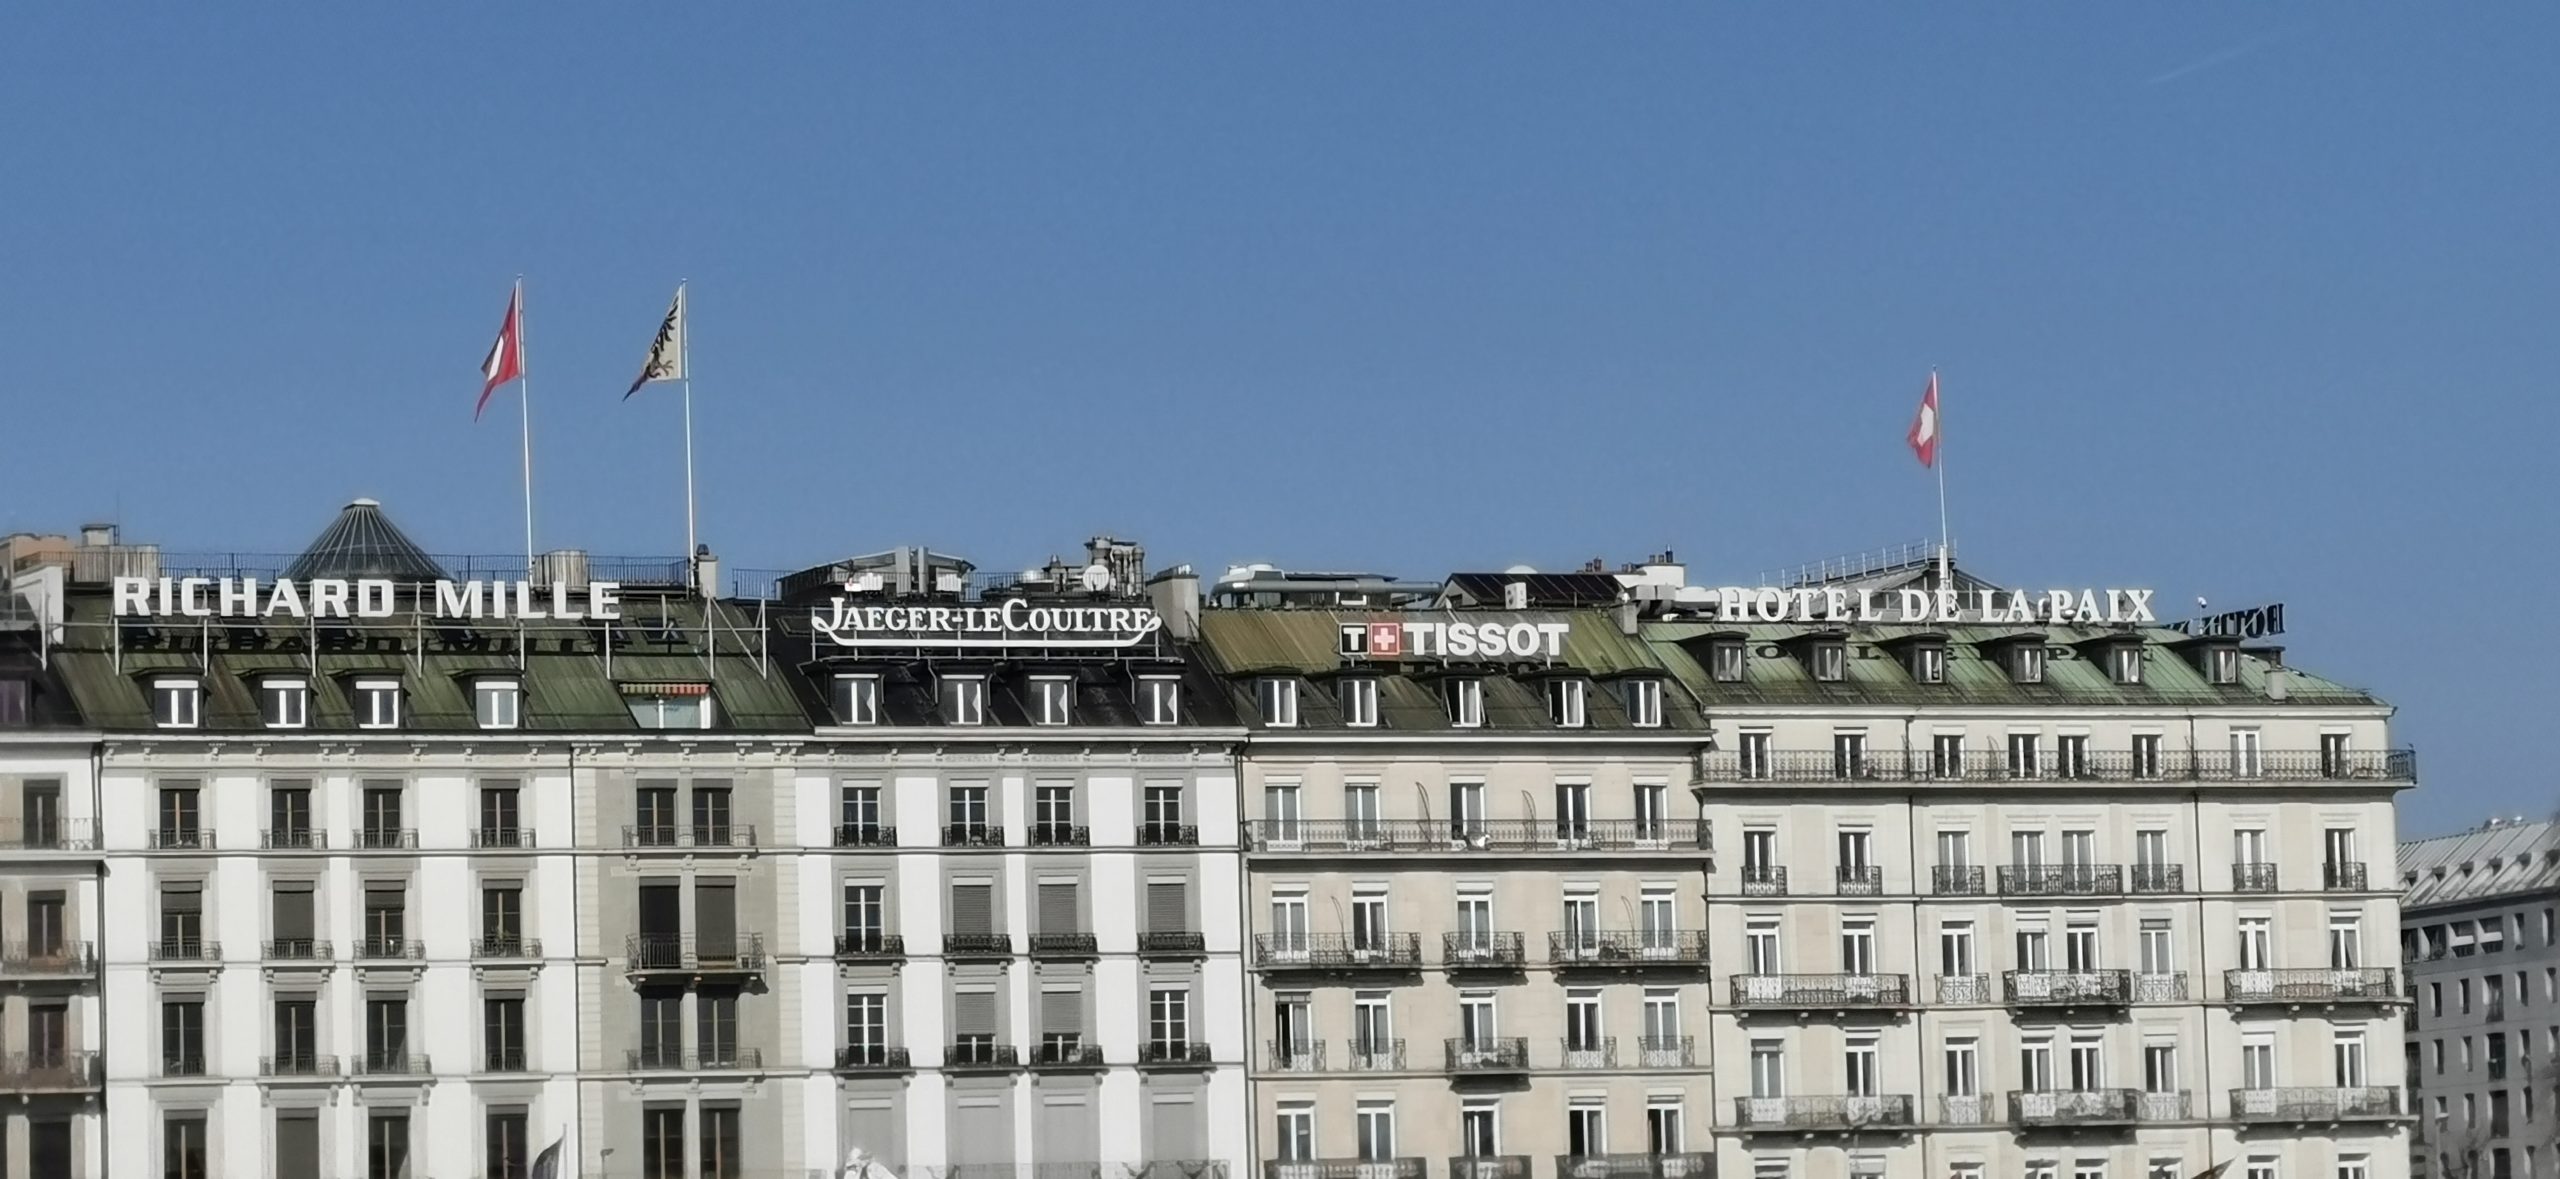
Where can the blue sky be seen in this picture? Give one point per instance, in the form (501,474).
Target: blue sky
(2251,302)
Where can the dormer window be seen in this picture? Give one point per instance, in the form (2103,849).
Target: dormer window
(669,706)
(1726,661)
(284,704)
(1160,700)
(13,703)
(2124,664)
(1278,700)
(964,699)
(2026,663)
(856,699)
(177,703)
(2222,665)
(497,704)
(377,704)
(1644,703)
(1052,700)
(1565,703)
(1830,661)
(1465,701)
(1929,664)
(1359,696)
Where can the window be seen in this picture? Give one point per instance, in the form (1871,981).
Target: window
(661,1029)
(2254,943)
(2160,1067)
(1053,700)
(502,1033)
(1955,951)
(671,706)
(386,924)
(182,1037)
(1759,854)
(969,817)
(1586,1128)
(1581,1026)
(654,808)
(715,1028)
(13,702)
(662,1142)
(297,1034)
(284,704)
(2245,759)
(1849,755)
(1929,663)
(386,1034)
(2346,1058)
(1963,1067)
(378,707)
(1359,701)
(1662,1045)
(1760,947)
(858,815)
(1464,699)
(1830,662)
(2025,760)
(720,1142)
(2124,664)
(2260,1167)
(508,1144)
(380,825)
(386,1144)
(179,817)
(2222,665)
(1653,811)
(866,1028)
(176,704)
(1726,661)
(497,704)
(1375,1123)
(1857,872)
(1946,756)
(289,814)
(2346,943)
(1644,703)
(2071,756)
(1278,700)
(1294,1133)
(1480,1129)
(1289,925)
(501,821)
(1565,703)
(2088,1069)
(1053,815)
(1859,1065)
(2026,663)
(2146,755)
(1466,812)
(856,699)
(964,699)
(866,911)
(1159,700)
(502,918)
(1169,1021)
(1372,1028)
(1657,921)
(1369,920)
(1768,1069)
(183,1154)
(2258,1060)
(2035,1063)
(1754,761)
(2158,955)
(1160,815)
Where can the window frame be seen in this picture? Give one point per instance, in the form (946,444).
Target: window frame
(1569,702)
(289,696)
(1463,698)
(962,699)
(1053,700)
(1643,701)
(1159,700)
(1275,697)
(507,692)
(369,695)
(173,691)
(856,698)
(1358,695)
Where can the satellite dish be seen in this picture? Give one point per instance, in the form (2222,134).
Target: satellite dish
(1096,577)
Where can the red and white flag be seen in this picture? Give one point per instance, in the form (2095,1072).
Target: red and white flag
(1924,426)
(506,357)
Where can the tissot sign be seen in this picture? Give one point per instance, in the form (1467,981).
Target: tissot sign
(1419,639)
(1826,604)
(364,597)
(1014,625)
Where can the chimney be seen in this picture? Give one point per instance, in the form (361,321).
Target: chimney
(1175,594)
(706,572)
(97,536)
(2279,683)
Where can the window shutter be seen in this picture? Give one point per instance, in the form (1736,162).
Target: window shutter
(1168,910)
(973,1013)
(182,897)
(1062,1012)
(972,908)
(1058,908)
(715,916)
(293,912)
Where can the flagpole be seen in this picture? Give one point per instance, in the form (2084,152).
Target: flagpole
(524,405)
(684,349)
(1938,426)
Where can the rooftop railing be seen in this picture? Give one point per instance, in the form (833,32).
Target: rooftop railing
(1561,836)
(1893,765)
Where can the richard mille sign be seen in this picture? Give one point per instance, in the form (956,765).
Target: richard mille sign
(364,597)
(1015,625)
(1821,604)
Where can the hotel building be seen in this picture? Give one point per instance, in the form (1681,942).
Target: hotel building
(2480,930)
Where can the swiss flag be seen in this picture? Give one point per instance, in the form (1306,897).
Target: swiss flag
(1924,426)
(506,357)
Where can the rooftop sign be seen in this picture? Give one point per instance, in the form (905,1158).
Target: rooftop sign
(1930,607)
(364,597)
(2255,622)
(1017,625)
(1509,638)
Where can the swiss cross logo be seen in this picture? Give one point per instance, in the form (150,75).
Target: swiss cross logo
(1386,638)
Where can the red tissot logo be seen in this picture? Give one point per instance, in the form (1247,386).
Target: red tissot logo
(1386,638)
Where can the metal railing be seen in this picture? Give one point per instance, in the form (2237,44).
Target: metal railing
(1177,942)
(1821,1113)
(1700,1165)
(1858,882)
(505,1060)
(1893,765)
(1403,1168)
(1064,945)
(645,952)
(861,1058)
(2368,1103)
(1175,1053)
(1331,951)
(1373,1056)
(104,564)
(2067,988)
(2359,984)
(185,949)
(977,945)
(980,1054)
(690,836)
(1061,835)
(1627,948)
(1956,880)
(2343,877)
(2062,880)
(1489,1166)
(1490,835)
(1968,1109)
(57,959)
(1293,1056)
(672,1060)
(1168,835)
(2256,877)
(2161,1107)
(1964,989)
(1832,991)
(184,1064)
(390,1062)
(42,1070)
(1589,1052)
(972,835)
(291,1064)
(866,835)
(2067,1107)
(2156,878)
(871,945)
(1764,881)
(386,838)
(181,839)
(1665,1051)
(1066,1055)
(1486,950)
(506,946)
(293,839)
(495,838)
(390,949)
(58,835)
(297,949)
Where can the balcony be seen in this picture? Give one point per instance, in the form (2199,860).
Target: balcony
(1440,836)
(2030,1110)
(2364,984)
(1627,949)
(1665,1051)
(1486,1057)
(506,948)
(1061,835)
(1635,1166)
(59,960)
(979,1055)
(1964,990)
(2253,877)
(1408,1168)
(181,839)
(1489,1166)
(1293,1056)
(2151,879)
(1337,951)
(1171,943)
(2062,880)
(2161,1107)
(293,839)
(1373,1056)
(188,1064)
(872,1058)
(870,945)
(1956,880)
(391,1063)
(502,838)
(670,1060)
(58,1071)
(505,1060)
(1064,947)
(1482,951)
(387,838)
(1877,765)
(1764,881)
(1822,992)
(2067,988)
(1971,1109)
(1168,835)
(972,835)
(1858,881)
(1753,1115)
(2343,878)
(1785,766)
(977,946)
(722,837)
(648,954)
(297,949)
(865,835)
(1175,1054)
(390,950)
(59,835)
(1066,1056)
(290,1066)
(185,951)
(2372,1103)
(1581,1052)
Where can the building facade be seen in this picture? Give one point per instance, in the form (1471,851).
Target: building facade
(2480,929)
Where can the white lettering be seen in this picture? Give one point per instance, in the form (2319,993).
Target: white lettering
(191,597)
(286,600)
(373,598)
(238,597)
(604,599)
(329,598)
(458,599)
(132,596)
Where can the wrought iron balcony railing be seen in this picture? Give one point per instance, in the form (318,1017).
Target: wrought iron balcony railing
(2156,878)
(1175,1054)
(1168,835)
(506,947)
(1401,1168)
(388,1062)
(1956,880)
(977,945)
(1866,881)
(1964,989)
(673,1060)
(2168,986)
(181,839)
(50,1071)
(1665,1051)
(1968,1109)
(2062,880)
(2343,877)
(1062,947)
(1172,943)
(1628,949)
(2370,1103)
(866,835)
(1528,836)
(54,959)
(290,1064)
(1489,1166)
(1061,835)
(293,839)
(2082,1107)
(871,1058)
(52,835)
(870,945)
(1337,951)
(495,838)
(1699,1165)
(2067,988)
(390,949)
(685,953)
(2160,1107)
(980,1054)
(1764,881)
(972,835)
(690,837)
(1066,1055)
(1482,950)
(2253,877)
(1373,1056)
(1885,765)
(1828,992)
(186,1064)
(387,838)
(505,1060)
(2360,984)
(1581,1052)
(185,949)
(1293,1056)
(296,949)
(1753,1114)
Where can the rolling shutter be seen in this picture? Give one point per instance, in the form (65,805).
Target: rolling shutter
(875,1129)
(1168,907)
(1062,1013)
(293,915)
(973,908)
(715,917)
(1173,1129)
(973,1013)
(1067,1130)
(981,1131)
(297,1144)
(1058,907)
